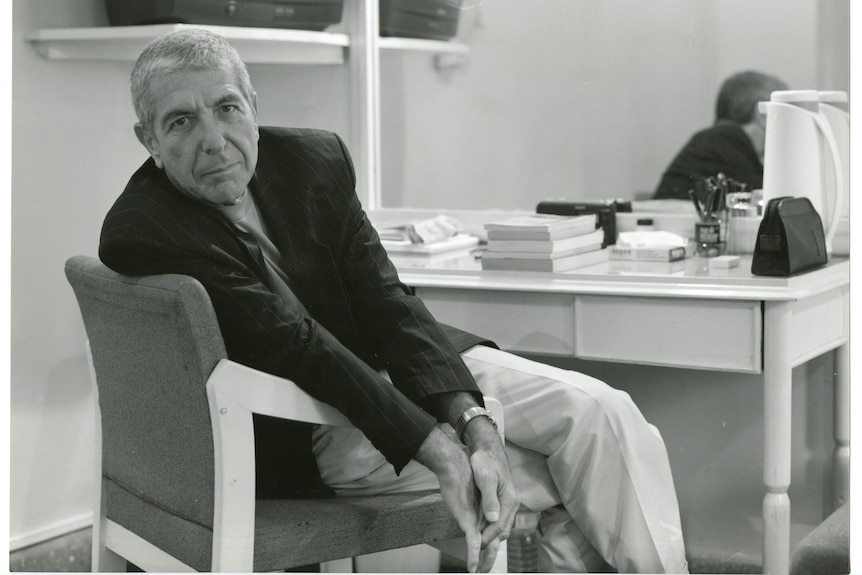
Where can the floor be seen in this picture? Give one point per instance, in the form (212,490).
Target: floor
(71,553)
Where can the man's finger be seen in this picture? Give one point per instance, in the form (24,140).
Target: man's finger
(489,555)
(493,532)
(474,542)
(487,484)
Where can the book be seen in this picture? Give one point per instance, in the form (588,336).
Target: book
(540,227)
(656,253)
(596,245)
(547,246)
(546,264)
(460,242)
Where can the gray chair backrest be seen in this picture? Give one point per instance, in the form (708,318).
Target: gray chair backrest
(154,342)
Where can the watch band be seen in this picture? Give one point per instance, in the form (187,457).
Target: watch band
(467,416)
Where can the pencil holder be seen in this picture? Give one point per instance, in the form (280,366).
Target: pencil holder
(710,234)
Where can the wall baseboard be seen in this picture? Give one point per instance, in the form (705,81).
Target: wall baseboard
(49,532)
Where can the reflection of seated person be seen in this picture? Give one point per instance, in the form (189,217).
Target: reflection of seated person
(733,145)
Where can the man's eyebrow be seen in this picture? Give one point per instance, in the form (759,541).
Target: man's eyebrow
(228,99)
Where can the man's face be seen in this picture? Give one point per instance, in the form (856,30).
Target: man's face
(203,133)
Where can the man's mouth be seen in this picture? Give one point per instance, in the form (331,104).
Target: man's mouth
(219,171)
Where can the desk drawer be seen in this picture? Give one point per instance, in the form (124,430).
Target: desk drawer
(517,321)
(702,334)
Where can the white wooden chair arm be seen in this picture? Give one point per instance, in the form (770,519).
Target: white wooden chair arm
(267,394)
(235,392)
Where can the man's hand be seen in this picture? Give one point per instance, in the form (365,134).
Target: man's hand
(477,489)
(499,498)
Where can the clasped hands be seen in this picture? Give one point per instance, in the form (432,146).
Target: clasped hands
(476,486)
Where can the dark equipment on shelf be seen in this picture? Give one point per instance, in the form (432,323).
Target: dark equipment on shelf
(425,19)
(294,14)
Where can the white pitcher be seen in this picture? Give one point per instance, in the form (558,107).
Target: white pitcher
(802,157)
(834,106)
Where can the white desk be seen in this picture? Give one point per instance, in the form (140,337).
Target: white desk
(683,315)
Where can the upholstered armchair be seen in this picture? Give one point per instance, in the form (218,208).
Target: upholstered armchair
(177,465)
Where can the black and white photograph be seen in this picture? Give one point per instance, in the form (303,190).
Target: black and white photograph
(430,286)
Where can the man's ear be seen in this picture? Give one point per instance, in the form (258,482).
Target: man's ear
(253,104)
(145,137)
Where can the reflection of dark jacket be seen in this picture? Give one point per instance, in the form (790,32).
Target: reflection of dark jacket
(360,317)
(723,147)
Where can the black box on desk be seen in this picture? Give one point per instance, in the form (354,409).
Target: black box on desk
(294,14)
(605,210)
(426,19)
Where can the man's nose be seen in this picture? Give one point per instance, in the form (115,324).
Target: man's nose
(212,136)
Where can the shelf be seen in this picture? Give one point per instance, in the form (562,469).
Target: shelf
(256,45)
(433,46)
(446,54)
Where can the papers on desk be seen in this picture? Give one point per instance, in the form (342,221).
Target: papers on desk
(427,231)
(457,243)
(438,237)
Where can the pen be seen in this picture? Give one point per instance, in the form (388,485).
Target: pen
(693,197)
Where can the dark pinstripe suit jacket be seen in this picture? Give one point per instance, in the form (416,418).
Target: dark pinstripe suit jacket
(362,317)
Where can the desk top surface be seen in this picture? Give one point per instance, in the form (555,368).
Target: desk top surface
(692,277)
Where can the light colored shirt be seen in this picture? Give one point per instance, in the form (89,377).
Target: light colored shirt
(246,217)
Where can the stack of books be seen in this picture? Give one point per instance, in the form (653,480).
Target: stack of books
(543,243)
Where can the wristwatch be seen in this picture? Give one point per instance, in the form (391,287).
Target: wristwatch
(467,416)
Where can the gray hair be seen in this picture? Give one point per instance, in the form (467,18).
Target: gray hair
(738,97)
(188,49)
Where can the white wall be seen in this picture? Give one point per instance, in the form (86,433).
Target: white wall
(68,160)
(514,125)
(73,151)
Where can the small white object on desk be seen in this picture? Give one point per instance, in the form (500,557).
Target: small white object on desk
(724,262)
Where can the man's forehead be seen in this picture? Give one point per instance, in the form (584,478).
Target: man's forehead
(192,88)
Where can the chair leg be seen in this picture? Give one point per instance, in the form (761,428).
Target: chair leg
(458,549)
(106,561)
(337,566)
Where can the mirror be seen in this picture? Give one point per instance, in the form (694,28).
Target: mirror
(587,99)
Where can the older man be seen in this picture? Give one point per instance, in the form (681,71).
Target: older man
(268,221)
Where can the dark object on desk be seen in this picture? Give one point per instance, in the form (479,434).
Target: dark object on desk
(790,239)
(295,14)
(427,19)
(605,210)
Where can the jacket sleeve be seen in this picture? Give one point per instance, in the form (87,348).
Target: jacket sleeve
(264,332)
(413,347)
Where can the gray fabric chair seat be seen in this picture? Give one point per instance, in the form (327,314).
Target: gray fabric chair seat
(826,550)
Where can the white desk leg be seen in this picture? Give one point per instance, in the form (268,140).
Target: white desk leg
(777,376)
(841,457)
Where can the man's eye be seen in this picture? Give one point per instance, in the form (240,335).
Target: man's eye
(228,108)
(179,122)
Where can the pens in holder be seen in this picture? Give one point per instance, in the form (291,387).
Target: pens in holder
(710,231)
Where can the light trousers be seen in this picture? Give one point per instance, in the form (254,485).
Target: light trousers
(580,452)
